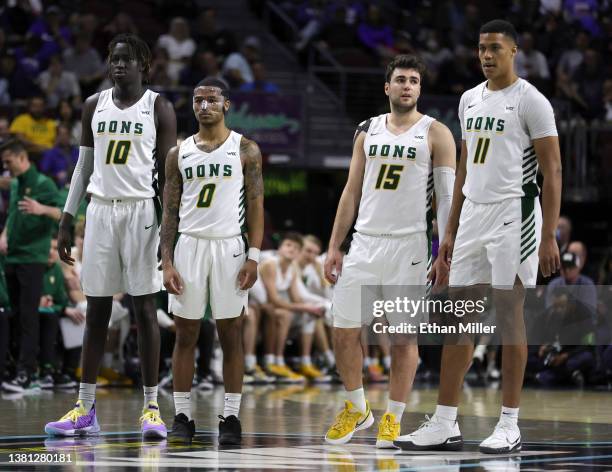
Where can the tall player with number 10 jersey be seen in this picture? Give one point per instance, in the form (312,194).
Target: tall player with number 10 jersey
(127,131)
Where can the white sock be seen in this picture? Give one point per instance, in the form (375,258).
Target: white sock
(280,360)
(447,414)
(387,362)
(87,395)
(510,414)
(397,408)
(306,360)
(107,360)
(182,403)
(367,361)
(250,361)
(330,358)
(231,405)
(269,359)
(150,395)
(357,398)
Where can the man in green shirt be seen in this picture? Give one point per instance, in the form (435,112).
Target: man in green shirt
(26,240)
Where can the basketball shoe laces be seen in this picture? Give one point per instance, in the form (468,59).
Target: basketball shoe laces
(346,419)
(74,414)
(152,416)
(388,429)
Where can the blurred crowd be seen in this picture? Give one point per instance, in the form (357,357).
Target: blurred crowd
(564,45)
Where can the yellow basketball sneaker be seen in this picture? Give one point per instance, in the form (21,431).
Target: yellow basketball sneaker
(312,373)
(348,422)
(388,431)
(284,374)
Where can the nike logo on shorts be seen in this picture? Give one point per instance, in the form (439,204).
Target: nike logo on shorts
(506,224)
(415,263)
(150,226)
(239,254)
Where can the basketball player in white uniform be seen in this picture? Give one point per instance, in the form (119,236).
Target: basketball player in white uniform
(213,196)
(127,131)
(397,157)
(279,276)
(496,227)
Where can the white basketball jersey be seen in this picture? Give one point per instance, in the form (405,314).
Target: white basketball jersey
(498,128)
(213,204)
(124,148)
(398,179)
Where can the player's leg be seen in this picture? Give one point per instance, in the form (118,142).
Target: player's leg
(469,268)
(513,256)
(404,279)
(230,337)
(308,328)
(347,319)
(228,308)
(284,319)
(192,262)
(183,367)
(145,309)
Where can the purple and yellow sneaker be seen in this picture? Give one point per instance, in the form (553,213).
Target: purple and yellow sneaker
(151,423)
(77,422)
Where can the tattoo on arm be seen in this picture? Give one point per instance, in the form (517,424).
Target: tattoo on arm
(253,180)
(172,201)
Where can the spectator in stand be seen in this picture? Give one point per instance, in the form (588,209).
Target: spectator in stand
(220,41)
(337,34)
(66,116)
(29,56)
(587,85)
(259,84)
(570,60)
(20,86)
(461,73)
(5,133)
(59,84)
(158,74)
(553,32)
(203,64)
(86,63)
(121,23)
(375,33)
(237,66)
(179,45)
(55,37)
(564,233)
(26,241)
(530,64)
(58,161)
(17,18)
(435,54)
(33,128)
(585,13)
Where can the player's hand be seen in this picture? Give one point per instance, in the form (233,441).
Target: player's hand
(75,315)
(64,241)
(247,275)
(30,206)
(550,262)
(173,281)
(441,267)
(333,265)
(315,310)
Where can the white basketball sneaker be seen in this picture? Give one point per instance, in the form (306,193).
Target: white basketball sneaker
(506,438)
(433,434)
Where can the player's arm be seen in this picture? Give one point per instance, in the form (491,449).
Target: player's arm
(250,156)
(165,124)
(549,160)
(170,221)
(298,294)
(347,208)
(80,180)
(444,157)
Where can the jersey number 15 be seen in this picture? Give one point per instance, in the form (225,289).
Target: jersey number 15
(389,177)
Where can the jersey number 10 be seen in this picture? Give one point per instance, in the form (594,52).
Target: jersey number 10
(482,147)
(118,152)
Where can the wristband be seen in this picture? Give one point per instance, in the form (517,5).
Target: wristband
(253,254)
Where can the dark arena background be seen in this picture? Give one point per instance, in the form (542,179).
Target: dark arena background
(302,76)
